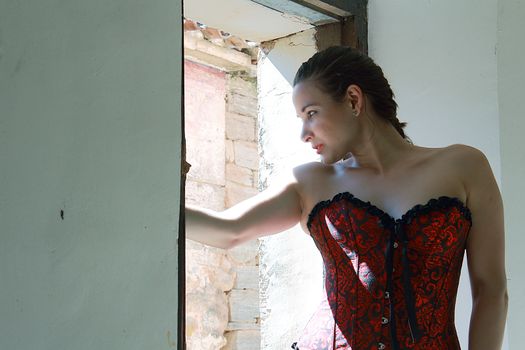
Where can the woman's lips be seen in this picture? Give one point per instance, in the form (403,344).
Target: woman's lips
(319,148)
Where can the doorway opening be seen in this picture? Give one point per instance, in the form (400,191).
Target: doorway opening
(241,133)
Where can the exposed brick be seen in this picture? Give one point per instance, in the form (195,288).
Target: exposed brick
(247,277)
(190,25)
(239,175)
(205,89)
(205,195)
(240,127)
(245,253)
(244,305)
(243,326)
(235,42)
(242,86)
(243,340)
(228,136)
(236,193)
(213,35)
(241,104)
(246,154)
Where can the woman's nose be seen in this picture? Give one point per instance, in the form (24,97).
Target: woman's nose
(306,134)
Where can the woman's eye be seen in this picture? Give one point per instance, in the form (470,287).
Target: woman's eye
(310,114)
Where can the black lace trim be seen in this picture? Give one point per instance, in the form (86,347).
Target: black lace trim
(386,219)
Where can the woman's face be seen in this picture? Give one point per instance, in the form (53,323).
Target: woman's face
(328,125)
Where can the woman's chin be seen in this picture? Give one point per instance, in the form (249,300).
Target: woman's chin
(325,159)
(330,159)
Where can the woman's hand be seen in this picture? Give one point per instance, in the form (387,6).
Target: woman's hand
(185,167)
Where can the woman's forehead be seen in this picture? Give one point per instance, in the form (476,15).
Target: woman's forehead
(306,92)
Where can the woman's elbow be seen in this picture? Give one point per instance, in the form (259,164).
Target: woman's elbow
(491,289)
(235,239)
(240,234)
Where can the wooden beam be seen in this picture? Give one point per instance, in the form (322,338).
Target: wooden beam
(351,31)
(351,15)
(302,12)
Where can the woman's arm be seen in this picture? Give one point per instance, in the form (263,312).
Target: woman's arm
(274,210)
(485,254)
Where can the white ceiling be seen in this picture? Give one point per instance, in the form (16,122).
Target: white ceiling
(244,19)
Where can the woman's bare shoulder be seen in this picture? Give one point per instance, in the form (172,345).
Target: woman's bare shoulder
(454,150)
(470,162)
(464,154)
(459,160)
(307,172)
(456,153)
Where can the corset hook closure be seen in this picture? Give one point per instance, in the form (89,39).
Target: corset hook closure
(415,332)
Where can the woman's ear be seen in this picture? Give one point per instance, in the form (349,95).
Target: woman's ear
(355,98)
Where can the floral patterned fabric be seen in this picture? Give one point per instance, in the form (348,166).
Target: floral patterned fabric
(390,284)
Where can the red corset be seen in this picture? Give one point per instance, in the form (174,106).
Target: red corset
(390,284)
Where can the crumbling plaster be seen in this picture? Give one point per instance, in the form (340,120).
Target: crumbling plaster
(291,266)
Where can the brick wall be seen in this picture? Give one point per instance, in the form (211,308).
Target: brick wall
(242,164)
(209,272)
(222,287)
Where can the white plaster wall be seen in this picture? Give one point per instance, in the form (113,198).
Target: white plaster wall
(511,85)
(90,125)
(455,68)
(440,58)
(291,266)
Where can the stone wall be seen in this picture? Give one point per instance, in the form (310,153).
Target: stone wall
(242,164)
(209,273)
(222,287)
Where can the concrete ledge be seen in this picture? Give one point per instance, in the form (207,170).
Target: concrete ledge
(205,52)
(243,326)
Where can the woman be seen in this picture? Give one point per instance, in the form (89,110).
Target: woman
(391,219)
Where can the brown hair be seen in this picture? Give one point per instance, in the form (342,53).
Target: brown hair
(337,67)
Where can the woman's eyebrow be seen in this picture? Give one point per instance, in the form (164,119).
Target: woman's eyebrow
(309,105)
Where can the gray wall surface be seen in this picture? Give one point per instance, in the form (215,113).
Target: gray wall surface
(511,85)
(90,127)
